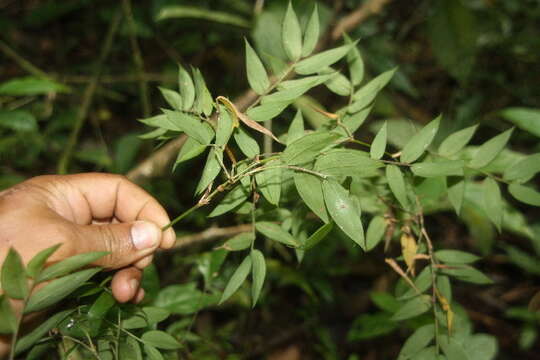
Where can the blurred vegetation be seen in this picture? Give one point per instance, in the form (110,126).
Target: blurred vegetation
(475,61)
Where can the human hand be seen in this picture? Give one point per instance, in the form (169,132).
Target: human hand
(86,212)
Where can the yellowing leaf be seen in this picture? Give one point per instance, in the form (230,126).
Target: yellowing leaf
(409,249)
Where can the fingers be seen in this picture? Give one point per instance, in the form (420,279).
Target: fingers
(94,196)
(127,243)
(125,285)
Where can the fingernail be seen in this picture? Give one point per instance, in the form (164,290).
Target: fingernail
(144,235)
(134,284)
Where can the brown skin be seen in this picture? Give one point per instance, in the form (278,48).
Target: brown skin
(85,212)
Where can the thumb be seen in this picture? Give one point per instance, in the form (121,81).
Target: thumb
(126,242)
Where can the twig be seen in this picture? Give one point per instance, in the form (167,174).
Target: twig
(88,95)
(22,62)
(137,58)
(364,11)
(209,235)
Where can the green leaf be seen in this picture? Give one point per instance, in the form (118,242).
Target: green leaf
(13,277)
(35,335)
(492,202)
(231,200)
(58,289)
(30,85)
(457,141)
(321,60)
(456,256)
(267,111)
(422,283)
(269,182)
(311,35)
(310,189)
(395,179)
(441,168)
(489,150)
(524,170)
(191,148)
(375,232)
(211,170)
(101,306)
(527,119)
(344,212)
(8,321)
(525,194)
(296,129)
(152,353)
(18,120)
(276,233)
(224,127)
(367,93)
(347,162)
(468,274)
(145,317)
(203,99)
(523,260)
(161,340)
(456,194)
(453,349)
(237,278)
(338,83)
(418,144)
(356,63)
(291,34)
(370,326)
(129,348)
(178,121)
(307,147)
(184,299)
(172,98)
(180,12)
(36,263)
(239,242)
(256,73)
(70,264)
(246,143)
(420,339)
(187,89)
(306,83)
(413,308)
(259,273)
(384,301)
(481,347)
(378,146)
(318,235)
(445,287)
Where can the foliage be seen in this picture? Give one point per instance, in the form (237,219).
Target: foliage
(309,182)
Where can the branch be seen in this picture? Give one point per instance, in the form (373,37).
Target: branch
(358,16)
(22,62)
(88,95)
(156,163)
(209,235)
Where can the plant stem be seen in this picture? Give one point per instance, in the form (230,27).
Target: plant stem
(88,96)
(22,62)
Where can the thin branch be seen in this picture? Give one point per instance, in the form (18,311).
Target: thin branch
(137,58)
(88,95)
(358,16)
(22,62)
(209,235)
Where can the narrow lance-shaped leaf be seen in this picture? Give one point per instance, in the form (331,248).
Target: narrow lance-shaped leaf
(152,353)
(161,340)
(230,201)
(413,308)
(523,170)
(193,127)
(57,290)
(344,212)
(456,194)
(418,144)
(310,189)
(237,279)
(421,338)
(457,141)
(437,169)
(211,170)
(276,233)
(246,143)
(318,235)
(321,60)
(375,232)
(70,264)
(172,97)
(187,89)
(524,118)
(493,205)
(356,63)
(307,147)
(256,73)
(269,182)
(225,127)
(489,150)
(267,111)
(394,176)
(366,94)
(379,143)
(456,256)
(14,276)
(291,34)
(347,162)
(203,99)
(311,35)
(259,274)
(296,130)
(191,149)
(239,242)
(8,321)
(338,83)
(525,194)
(36,263)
